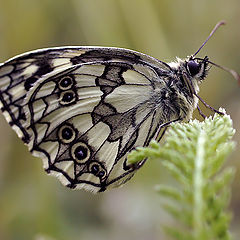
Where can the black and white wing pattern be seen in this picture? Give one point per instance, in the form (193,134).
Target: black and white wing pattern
(83,109)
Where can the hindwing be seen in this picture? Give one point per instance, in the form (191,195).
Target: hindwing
(83,121)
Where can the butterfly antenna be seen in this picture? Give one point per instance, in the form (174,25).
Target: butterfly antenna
(231,71)
(210,35)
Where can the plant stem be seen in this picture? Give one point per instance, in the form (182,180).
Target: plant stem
(198,185)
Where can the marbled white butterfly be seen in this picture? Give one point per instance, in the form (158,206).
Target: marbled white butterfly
(82,109)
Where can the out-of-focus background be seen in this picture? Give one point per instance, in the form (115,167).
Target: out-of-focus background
(36,206)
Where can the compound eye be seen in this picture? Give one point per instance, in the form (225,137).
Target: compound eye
(193,67)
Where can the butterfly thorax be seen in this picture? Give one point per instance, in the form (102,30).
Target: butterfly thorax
(184,83)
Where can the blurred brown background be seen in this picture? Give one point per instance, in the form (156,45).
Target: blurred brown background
(36,206)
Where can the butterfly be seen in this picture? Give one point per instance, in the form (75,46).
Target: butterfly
(83,109)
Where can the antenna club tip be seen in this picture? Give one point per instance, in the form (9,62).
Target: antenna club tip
(235,75)
(239,80)
(222,22)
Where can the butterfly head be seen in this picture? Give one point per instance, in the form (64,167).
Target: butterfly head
(190,72)
(197,68)
(194,70)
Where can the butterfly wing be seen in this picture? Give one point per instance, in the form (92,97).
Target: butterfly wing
(82,110)
(19,74)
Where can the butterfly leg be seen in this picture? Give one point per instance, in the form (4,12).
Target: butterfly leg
(201,113)
(165,125)
(162,134)
(208,106)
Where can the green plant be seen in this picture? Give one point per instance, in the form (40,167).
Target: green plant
(194,153)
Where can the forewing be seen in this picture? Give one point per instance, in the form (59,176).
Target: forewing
(18,75)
